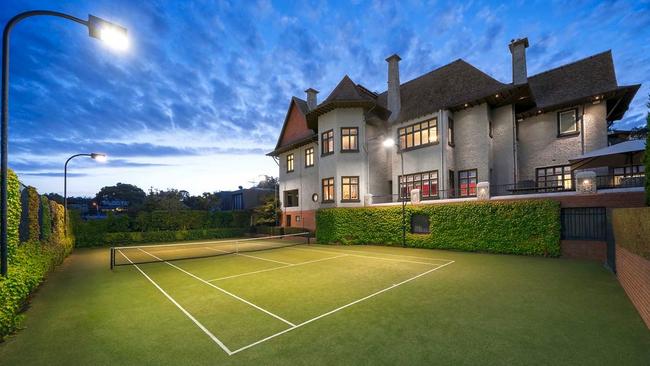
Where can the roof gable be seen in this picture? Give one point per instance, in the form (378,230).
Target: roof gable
(347,90)
(295,127)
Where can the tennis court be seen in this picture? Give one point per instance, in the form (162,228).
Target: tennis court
(244,293)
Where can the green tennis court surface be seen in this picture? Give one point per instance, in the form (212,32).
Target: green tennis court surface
(298,303)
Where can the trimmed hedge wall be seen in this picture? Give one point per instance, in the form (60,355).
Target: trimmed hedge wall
(30,261)
(127,238)
(521,227)
(632,230)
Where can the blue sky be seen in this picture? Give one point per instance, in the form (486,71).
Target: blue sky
(201,95)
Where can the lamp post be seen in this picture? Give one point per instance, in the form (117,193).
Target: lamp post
(95,156)
(113,34)
(388,143)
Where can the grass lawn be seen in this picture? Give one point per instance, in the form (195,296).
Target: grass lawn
(321,304)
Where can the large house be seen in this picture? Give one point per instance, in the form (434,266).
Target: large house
(453,127)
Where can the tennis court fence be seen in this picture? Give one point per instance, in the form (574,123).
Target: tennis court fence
(140,254)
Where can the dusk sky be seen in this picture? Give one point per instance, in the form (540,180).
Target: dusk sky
(200,97)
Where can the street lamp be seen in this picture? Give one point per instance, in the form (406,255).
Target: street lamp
(112,34)
(389,143)
(95,156)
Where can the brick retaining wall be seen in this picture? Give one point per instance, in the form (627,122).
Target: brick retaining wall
(584,249)
(633,273)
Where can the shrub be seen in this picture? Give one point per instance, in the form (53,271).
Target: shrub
(632,230)
(30,228)
(45,218)
(522,227)
(14,211)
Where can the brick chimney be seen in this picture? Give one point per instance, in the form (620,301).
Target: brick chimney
(393,97)
(312,102)
(518,51)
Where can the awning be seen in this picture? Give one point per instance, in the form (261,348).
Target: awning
(618,155)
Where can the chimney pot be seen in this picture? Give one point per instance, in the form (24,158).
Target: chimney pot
(312,101)
(393,93)
(518,50)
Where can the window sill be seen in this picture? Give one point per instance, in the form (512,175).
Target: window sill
(418,147)
(327,154)
(290,171)
(308,166)
(451,144)
(349,151)
(350,201)
(328,201)
(568,134)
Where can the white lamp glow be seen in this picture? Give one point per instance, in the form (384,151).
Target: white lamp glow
(99,157)
(113,35)
(388,142)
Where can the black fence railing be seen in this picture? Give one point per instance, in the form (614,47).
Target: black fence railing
(521,188)
(585,223)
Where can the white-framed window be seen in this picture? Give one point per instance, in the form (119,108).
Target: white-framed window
(567,122)
(290,160)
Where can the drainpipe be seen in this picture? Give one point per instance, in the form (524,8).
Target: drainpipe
(444,174)
(515,159)
(582,129)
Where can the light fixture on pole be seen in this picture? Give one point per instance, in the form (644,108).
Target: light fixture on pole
(389,143)
(112,34)
(95,156)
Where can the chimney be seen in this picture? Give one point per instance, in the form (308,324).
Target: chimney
(311,98)
(518,51)
(394,101)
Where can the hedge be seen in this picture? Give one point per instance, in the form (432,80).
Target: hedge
(30,228)
(278,230)
(521,227)
(632,230)
(45,219)
(14,211)
(127,238)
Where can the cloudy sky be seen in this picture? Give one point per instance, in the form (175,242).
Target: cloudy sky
(201,95)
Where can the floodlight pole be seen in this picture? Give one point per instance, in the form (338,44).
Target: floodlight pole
(4,128)
(65,191)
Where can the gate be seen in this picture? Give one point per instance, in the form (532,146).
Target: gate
(584,223)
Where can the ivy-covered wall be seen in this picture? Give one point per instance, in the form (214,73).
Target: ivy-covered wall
(521,227)
(14,212)
(30,228)
(45,219)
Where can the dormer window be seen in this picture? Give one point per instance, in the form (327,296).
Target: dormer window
(567,122)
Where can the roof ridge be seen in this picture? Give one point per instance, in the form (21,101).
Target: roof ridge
(573,63)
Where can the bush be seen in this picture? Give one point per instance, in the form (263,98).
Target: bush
(127,238)
(522,227)
(45,219)
(14,211)
(632,230)
(30,228)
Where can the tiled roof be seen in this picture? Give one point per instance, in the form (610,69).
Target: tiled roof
(449,85)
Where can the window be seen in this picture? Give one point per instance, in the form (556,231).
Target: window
(567,122)
(419,134)
(238,201)
(467,182)
(288,220)
(349,189)
(426,182)
(328,190)
(555,178)
(289,163)
(419,224)
(629,176)
(349,139)
(450,132)
(309,157)
(291,198)
(452,184)
(327,141)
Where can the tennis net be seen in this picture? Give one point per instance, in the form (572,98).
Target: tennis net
(139,254)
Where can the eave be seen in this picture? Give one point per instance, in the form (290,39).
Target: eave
(294,145)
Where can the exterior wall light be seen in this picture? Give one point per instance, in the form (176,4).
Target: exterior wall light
(483,191)
(586,182)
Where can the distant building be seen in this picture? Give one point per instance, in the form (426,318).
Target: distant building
(113,206)
(244,198)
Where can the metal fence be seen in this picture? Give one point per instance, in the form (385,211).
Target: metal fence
(585,223)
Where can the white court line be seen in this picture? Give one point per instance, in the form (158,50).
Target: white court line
(366,256)
(198,324)
(394,255)
(276,268)
(222,290)
(339,308)
(249,256)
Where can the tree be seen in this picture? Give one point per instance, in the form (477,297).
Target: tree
(169,200)
(268,213)
(269,182)
(55,197)
(647,156)
(121,192)
(207,202)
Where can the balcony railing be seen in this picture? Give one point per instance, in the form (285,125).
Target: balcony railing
(603,182)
